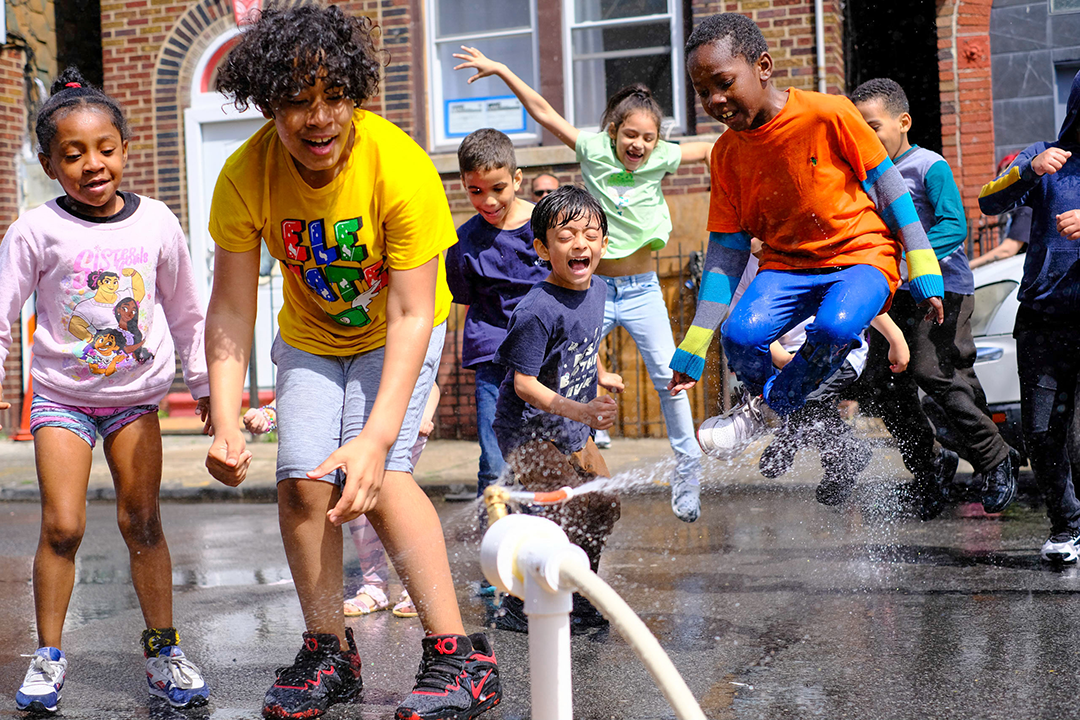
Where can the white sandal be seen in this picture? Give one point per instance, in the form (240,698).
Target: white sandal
(405,607)
(375,600)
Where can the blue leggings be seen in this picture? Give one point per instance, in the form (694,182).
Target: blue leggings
(844,301)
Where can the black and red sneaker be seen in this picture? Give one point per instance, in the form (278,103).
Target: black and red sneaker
(458,679)
(322,675)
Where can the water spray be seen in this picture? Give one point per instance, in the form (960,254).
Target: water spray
(531,558)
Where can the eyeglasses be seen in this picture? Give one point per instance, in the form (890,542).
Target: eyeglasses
(542,193)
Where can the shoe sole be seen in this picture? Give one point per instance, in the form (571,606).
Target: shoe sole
(1058,558)
(276,712)
(463,715)
(197,701)
(37,707)
(711,450)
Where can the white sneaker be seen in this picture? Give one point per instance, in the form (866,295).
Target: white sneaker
(40,691)
(726,436)
(602,439)
(1061,547)
(175,678)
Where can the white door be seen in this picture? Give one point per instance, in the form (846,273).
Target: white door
(212,136)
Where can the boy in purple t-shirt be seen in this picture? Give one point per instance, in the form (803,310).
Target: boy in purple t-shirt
(490,269)
(548,402)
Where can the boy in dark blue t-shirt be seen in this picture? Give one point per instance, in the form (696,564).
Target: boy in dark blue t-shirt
(548,401)
(490,269)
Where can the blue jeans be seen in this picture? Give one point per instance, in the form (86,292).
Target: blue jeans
(844,302)
(636,303)
(489,377)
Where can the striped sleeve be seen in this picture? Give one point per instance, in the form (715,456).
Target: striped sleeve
(725,260)
(1007,191)
(886,188)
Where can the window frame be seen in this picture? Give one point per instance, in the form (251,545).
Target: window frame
(674,124)
(439,140)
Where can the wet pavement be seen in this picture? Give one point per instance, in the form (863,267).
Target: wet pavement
(771,606)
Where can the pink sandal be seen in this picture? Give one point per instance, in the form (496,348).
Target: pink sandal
(370,599)
(405,607)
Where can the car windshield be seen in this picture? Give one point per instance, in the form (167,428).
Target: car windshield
(988,299)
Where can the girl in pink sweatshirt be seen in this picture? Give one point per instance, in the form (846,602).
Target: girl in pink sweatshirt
(115,295)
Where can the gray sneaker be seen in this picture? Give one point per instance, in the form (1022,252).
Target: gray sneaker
(726,436)
(685,498)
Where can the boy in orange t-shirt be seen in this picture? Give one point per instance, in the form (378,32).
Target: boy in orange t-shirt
(804,173)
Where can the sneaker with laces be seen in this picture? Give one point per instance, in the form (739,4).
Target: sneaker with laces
(1001,482)
(842,467)
(685,496)
(175,678)
(40,691)
(1062,548)
(458,679)
(726,436)
(322,675)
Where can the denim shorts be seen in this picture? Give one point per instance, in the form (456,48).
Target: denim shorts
(86,422)
(323,402)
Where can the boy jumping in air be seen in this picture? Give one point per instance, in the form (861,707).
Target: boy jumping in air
(833,215)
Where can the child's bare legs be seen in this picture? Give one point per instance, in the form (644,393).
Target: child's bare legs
(313,549)
(410,530)
(63,469)
(406,523)
(134,456)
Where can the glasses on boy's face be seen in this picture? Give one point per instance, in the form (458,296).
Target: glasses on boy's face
(541,193)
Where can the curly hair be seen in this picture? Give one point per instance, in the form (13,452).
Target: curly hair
(70,90)
(745,35)
(631,99)
(889,92)
(289,48)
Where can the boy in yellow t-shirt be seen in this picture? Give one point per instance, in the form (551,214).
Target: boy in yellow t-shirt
(355,213)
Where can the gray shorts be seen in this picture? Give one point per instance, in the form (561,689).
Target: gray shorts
(323,402)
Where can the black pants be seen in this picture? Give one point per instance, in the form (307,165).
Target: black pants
(1048,362)
(942,365)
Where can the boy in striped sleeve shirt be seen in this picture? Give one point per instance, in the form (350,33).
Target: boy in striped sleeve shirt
(805,174)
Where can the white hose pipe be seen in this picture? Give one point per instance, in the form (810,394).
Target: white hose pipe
(630,626)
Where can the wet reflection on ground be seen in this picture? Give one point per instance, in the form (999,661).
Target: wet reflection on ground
(771,606)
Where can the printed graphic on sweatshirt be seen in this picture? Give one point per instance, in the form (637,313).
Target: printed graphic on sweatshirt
(336,266)
(108,314)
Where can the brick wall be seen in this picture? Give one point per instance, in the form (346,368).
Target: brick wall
(150,49)
(967,115)
(788,27)
(12,130)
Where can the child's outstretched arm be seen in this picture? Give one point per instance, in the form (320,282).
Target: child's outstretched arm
(886,188)
(1006,191)
(725,261)
(598,414)
(694,151)
(899,354)
(539,108)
